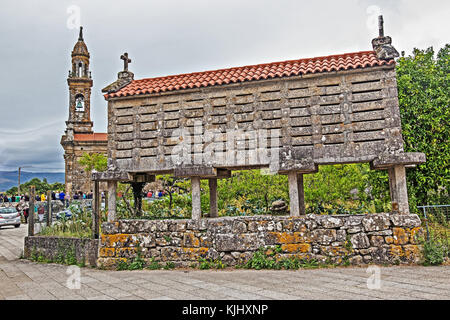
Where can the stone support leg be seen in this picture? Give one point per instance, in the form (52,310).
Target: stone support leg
(137,195)
(49,208)
(96,206)
(213,198)
(392,193)
(301,194)
(112,197)
(196,203)
(294,196)
(398,189)
(31,211)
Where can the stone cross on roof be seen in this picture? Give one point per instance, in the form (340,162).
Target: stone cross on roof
(126,61)
(380,26)
(382,45)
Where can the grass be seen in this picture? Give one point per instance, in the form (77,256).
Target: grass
(436,249)
(78,226)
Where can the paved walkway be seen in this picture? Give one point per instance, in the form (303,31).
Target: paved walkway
(21,279)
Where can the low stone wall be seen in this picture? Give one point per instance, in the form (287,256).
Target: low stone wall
(359,239)
(62,250)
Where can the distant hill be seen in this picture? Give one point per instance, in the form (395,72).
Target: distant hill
(8,179)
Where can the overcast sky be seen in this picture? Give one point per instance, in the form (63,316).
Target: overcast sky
(171,37)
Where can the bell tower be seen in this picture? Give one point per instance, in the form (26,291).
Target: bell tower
(80,84)
(79,137)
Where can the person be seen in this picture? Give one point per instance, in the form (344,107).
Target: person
(41,212)
(22,208)
(13,199)
(61,196)
(57,195)
(43,197)
(53,195)
(26,213)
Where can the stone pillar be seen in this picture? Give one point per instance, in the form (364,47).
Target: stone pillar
(112,196)
(213,198)
(301,194)
(196,203)
(401,189)
(398,189)
(392,193)
(294,196)
(31,211)
(106,198)
(49,208)
(137,195)
(96,210)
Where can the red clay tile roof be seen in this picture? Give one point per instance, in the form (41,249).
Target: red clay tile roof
(345,61)
(90,137)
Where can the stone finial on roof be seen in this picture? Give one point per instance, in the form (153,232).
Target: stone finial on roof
(383,45)
(80,37)
(123,77)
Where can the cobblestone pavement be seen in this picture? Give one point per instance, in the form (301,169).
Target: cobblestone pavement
(21,279)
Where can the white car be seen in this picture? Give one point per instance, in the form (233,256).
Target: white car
(9,217)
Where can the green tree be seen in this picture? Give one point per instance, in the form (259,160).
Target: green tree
(91,161)
(424,96)
(41,187)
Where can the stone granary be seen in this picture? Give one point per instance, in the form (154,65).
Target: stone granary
(289,116)
(79,136)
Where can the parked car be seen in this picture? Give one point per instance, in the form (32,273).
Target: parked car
(66,214)
(9,217)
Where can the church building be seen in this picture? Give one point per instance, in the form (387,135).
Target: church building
(79,137)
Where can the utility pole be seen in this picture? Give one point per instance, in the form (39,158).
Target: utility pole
(18,187)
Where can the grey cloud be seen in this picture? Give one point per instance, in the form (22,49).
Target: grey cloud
(171,37)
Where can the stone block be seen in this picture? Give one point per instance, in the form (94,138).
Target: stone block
(341,235)
(400,236)
(110,227)
(353,222)
(412,253)
(190,240)
(324,236)
(376,241)
(405,220)
(376,222)
(329,222)
(360,241)
(239,227)
(379,254)
(238,242)
(296,247)
(356,260)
